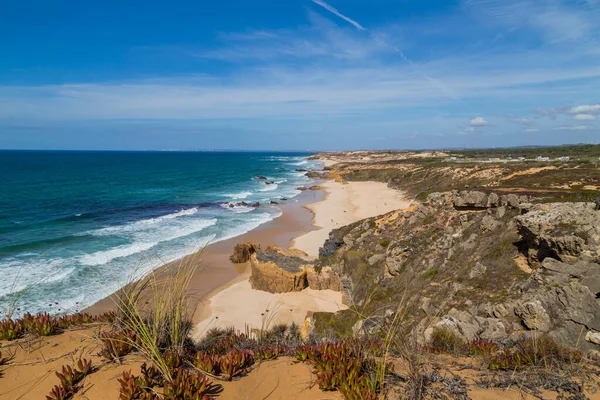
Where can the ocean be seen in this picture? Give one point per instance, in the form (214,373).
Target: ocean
(76,226)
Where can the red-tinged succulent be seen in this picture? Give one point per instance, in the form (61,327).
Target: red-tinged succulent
(208,363)
(188,386)
(134,388)
(235,363)
(117,344)
(270,352)
(43,324)
(69,380)
(10,330)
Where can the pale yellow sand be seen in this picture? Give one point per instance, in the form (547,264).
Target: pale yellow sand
(345,204)
(239,305)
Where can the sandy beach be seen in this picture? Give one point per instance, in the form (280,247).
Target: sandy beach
(221,289)
(344,204)
(240,306)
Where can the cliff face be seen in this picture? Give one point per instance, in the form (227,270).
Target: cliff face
(483,265)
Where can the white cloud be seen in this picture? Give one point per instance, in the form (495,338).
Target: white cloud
(584,117)
(571,128)
(478,121)
(586,109)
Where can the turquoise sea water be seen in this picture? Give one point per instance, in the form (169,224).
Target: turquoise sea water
(75,224)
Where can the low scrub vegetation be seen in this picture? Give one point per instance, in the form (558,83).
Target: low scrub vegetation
(44,324)
(70,379)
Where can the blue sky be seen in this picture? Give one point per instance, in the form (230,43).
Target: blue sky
(298,74)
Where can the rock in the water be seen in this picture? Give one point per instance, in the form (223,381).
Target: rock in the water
(262,178)
(301,188)
(243,251)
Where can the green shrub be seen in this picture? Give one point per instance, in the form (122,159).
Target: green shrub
(384,242)
(444,340)
(536,352)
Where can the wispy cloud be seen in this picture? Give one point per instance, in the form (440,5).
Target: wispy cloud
(358,78)
(571,128)
(584,117)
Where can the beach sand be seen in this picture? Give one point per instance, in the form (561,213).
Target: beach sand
(221,291)
(345,204)
(240,306)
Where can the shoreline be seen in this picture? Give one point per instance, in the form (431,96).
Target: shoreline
(215,270)
(221,291)
(237,304)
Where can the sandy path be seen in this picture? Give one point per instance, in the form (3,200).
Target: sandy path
(345,204)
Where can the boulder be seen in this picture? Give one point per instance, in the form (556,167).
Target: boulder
(315,187)
(243,251)
(375,258)
(301,188)
(593,337)
(262,178)
(564,231)
(478,270)
(469,199)
(533,316)
(276,273)
(489,223)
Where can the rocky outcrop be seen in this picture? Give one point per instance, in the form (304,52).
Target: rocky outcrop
(276,273)
(243,251)
(471,199)
(279,270)
(564,231)
(483,265)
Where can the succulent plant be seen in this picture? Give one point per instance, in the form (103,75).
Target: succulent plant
(10,330)
(69,380)
(236,363)
(117,344)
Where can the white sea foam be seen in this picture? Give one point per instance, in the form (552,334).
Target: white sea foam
(256,221)
(239,209)
(303,162)
(144,241)
(237,196)
(143,224)
(269,188)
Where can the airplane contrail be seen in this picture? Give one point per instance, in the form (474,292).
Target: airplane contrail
(339,14)
(358,26)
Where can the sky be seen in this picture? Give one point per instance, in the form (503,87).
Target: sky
(298,74)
